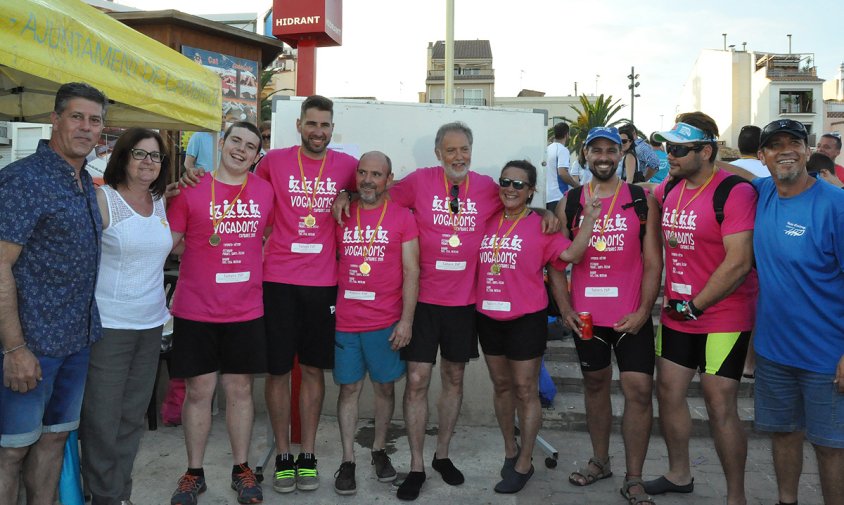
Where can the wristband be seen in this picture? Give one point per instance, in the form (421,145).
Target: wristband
(13,349)
(349,193)
(693,310)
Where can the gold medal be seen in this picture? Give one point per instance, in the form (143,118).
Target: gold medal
(310,221)
(163,222)
(495,268)
(214,240)
(454,240)
(365,268)
(600,244)
(672,241)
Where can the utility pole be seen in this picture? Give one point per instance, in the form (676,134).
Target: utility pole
(632,87)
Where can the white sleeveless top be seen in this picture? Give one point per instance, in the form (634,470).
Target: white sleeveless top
(130,286)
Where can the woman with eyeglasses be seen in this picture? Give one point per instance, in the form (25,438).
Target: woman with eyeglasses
(511,305)
(131,300)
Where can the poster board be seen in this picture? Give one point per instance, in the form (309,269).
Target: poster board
(406,133)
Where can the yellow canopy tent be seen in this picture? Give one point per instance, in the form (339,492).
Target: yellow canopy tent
(46,43)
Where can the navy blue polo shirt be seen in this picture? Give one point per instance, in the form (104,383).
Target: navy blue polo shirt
(59,228)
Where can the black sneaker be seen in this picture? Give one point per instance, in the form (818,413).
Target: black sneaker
(383,466)
(450,474)
(188,489)
(307,477)
(284,479)
(344,479)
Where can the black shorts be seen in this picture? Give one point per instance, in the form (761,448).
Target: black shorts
(200,348)
(633,352)
(719,354)
(300,322)
(452,329)
(519,339)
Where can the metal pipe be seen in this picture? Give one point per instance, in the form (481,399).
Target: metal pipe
(449,52)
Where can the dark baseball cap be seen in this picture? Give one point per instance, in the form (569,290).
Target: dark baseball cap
(793,128)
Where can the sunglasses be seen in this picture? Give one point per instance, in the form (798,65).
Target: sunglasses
(784,124)
(454,204)
(680,150)
(625,141)
(266,137)
(506,183)
(140,154)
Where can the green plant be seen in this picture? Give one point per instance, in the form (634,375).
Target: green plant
(589,115)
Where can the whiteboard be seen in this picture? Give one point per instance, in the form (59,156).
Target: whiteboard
(405,132)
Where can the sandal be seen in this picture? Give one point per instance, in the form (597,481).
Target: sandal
(635,498)
(590,477)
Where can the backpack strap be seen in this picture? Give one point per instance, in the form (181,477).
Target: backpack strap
(721,194)
(573,210)
(639,202)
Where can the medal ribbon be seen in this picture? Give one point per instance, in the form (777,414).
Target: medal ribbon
(226,210)
(612,205)
(448,195)
(496,241)
(368,247)
(312,196)
(677,208)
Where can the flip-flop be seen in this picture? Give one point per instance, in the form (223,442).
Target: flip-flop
(663,485)
(589,477)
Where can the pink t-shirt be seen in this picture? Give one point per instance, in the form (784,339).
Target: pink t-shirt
(447,273)
(373,301)
(296,253)
(221,284)
(518,289)
(608,283)
(700,251)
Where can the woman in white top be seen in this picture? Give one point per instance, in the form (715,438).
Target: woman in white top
(131,300)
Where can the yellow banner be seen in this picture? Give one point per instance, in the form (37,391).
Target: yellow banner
(46,43)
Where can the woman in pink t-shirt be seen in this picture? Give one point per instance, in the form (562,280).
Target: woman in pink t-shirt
(511,302)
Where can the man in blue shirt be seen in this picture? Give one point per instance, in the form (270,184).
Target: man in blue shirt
(799,247)
(50,230)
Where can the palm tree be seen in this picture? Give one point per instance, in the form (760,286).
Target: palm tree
(590,115)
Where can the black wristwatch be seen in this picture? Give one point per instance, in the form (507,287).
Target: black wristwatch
(349,193)
(693,311)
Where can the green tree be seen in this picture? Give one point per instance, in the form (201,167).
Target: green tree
(266,102)
(589,115)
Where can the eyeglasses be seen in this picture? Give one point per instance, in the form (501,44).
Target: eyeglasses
(784,124)
(680,150)
(518,185)
(454,204)
(140,154)
(266,137)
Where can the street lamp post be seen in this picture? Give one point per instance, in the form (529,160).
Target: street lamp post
(632,87)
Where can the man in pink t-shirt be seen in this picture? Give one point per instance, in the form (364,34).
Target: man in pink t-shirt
(617,282)
(378,277)
(710,298)
(300,282)
(218,308)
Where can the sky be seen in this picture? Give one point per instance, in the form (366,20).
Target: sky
(550,45)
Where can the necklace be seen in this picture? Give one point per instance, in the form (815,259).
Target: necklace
(364,267)
(496,240)
(214,239)
(601,243)
(672,236)
(310,220)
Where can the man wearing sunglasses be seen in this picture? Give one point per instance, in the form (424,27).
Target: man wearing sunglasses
(798,243)
(706,323)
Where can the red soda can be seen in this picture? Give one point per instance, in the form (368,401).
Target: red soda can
(586,327)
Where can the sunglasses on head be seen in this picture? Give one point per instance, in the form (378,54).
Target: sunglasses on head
(454,204)
(784,124)
(505,183)
(680,150)
(140,154)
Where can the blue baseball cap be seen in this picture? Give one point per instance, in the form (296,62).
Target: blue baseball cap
(683,133)
(603,132)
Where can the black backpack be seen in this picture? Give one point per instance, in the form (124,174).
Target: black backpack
(722,191)
(639,203)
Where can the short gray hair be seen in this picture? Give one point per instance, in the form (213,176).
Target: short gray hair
(456,126)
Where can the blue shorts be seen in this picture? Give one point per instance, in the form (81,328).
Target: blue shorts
(790,399)
(52,407)
(355,353)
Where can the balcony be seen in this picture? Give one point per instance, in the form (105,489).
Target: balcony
(466,74)
(788,67)
(461,101)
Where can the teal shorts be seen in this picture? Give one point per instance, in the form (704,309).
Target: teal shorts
(357,353)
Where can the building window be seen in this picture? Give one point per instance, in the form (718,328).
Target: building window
(796,102)
(473,97)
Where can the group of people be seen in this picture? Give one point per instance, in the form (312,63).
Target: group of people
(321,259)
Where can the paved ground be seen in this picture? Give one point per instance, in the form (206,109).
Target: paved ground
(476,450)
